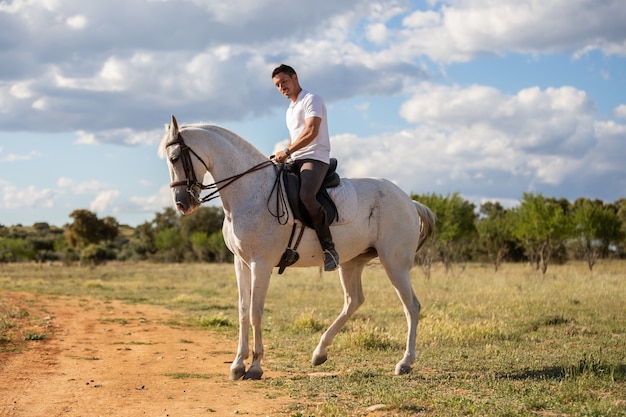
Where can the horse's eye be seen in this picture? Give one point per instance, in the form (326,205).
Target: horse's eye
(174,159)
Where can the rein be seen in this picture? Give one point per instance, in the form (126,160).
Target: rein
(191,181)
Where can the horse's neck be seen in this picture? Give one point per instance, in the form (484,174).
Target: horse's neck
(230,156)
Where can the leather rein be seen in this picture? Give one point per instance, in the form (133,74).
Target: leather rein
(191,180)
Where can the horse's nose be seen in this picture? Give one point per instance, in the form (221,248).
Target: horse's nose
(181,207)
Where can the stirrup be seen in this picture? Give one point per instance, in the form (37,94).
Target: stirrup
(331,260)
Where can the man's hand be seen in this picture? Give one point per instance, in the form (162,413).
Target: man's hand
(281,156)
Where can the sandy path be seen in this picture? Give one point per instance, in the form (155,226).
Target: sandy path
(105,358)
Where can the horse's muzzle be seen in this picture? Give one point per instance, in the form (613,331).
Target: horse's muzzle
(185,204)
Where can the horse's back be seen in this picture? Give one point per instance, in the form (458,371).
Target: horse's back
(384,209)
(384,194)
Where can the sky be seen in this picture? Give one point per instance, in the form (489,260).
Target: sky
(486,98)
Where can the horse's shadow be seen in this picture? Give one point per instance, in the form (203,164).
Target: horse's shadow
(616,372)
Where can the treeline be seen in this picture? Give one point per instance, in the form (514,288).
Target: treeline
(169,237)
(539,230)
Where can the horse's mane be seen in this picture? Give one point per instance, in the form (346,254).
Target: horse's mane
(238,142)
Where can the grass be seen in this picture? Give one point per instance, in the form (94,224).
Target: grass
(511,343)
(18,326)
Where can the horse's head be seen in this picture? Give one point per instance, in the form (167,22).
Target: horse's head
(185,186)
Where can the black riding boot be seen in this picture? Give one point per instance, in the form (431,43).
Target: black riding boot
(331,258)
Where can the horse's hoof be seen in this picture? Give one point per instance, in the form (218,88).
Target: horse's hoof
(403,369)
(254,374)
(319,359)
(237,373)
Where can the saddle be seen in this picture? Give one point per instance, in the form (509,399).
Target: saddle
(291,183)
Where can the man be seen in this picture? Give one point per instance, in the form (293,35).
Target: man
(309,148)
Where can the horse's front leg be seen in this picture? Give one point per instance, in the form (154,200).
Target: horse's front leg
(260,284)
(238,367)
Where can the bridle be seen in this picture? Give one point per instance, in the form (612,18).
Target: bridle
(191,180)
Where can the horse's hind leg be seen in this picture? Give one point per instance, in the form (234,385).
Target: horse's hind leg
(350,274)
(399,274)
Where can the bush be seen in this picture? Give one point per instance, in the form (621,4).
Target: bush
(12,250)
(96,254)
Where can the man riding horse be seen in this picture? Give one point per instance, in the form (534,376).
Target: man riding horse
(309,148)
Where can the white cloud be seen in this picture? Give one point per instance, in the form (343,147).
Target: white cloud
(64,182)
(85,138)
(153,203)
(120,136)
(26,197)
(422,19)
(83,187)
(77,22)
(555,120)
(12,157)
(21,90)
(115,75)
(463,29)
(41,104)
(130,73)
(377,33)
(620,111)
(482,142)
(103,200)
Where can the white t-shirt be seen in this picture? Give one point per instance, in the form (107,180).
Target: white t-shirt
(309,105)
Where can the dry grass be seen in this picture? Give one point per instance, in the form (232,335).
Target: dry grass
(512,343)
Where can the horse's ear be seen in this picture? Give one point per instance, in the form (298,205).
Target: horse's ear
(173,127)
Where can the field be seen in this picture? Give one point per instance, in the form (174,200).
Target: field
(511,343)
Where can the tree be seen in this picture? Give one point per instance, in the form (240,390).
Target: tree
(42,239)
(109,229)
(455,225)
(201,246)
(166,220)
(205,219)
(620,205)
(495,232)
(87,229)
(596,226)
(42,248)
(14,249)
(96,254)
(143,242)
(83,230)
(171,244)
(218,247)
(541,225)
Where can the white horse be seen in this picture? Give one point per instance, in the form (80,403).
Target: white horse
(388,225)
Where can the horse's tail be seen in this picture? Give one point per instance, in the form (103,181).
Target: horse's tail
(427,223)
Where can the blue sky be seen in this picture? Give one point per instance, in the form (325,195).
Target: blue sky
(487,98)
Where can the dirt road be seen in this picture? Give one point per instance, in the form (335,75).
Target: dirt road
(103,358)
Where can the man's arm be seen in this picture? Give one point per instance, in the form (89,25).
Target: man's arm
(311,129)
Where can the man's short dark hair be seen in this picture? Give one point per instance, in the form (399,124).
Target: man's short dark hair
(283,68)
